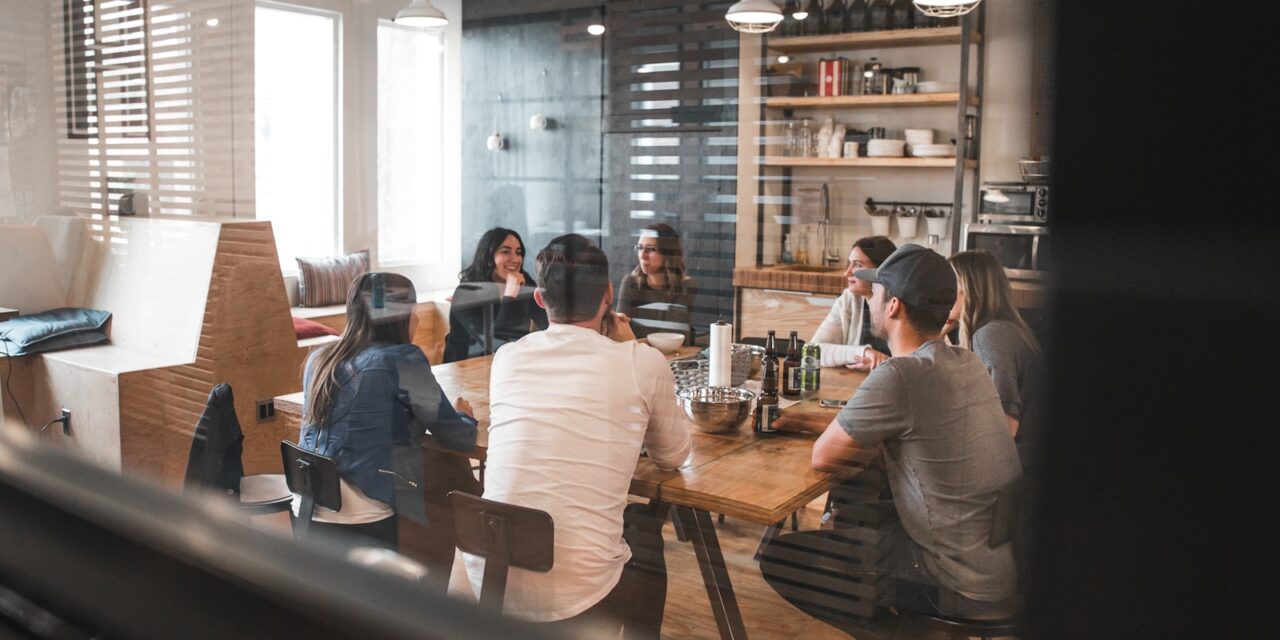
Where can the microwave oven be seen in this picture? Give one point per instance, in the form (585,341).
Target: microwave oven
(1023,250)
(1027,203)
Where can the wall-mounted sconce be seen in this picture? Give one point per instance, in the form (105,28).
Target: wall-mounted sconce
(495,142)
(596,29)
(538,122)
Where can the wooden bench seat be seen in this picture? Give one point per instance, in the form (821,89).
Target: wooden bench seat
(194,302)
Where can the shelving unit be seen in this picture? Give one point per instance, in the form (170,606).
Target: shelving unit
(874,40)
(905,100)
(900,163)
(966,101)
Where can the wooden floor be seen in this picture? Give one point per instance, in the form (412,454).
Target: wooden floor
(688,614)
(765,614)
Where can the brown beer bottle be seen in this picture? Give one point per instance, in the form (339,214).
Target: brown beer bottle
(767,404)
(791,368)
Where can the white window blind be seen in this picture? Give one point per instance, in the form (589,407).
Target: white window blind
(156,97)
(411,190)
(297,66)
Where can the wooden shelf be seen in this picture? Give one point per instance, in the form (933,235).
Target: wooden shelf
(901,100)
(907,163)
(870,40)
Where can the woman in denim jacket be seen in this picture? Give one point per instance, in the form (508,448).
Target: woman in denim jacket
(369,398)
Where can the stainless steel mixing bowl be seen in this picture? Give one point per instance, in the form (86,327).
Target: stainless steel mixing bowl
(715,409)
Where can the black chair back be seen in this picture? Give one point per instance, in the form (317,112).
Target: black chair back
(315,478)
(505,536)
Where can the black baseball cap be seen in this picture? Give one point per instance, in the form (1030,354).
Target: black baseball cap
(919,276)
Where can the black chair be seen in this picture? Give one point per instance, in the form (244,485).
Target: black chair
(315,478)
(505,536)
(1004,529)
(214,460)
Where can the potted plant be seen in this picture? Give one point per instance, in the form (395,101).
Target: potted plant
(936,219)
(908,221)
(879,221)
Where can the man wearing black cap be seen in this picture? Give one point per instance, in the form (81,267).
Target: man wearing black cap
(947,454)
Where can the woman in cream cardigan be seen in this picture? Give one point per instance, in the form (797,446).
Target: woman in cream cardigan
(845,334)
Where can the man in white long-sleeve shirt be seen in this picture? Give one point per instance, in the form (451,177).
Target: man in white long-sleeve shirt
(570,408)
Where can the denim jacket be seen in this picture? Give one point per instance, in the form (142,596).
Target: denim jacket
(387,398)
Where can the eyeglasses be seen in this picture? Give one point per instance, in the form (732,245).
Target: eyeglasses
(640,248)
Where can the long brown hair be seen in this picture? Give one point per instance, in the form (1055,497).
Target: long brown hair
(366,325)
(672,253)
(987,296)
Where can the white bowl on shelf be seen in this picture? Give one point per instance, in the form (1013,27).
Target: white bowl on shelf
(918,136)
(886,148)
(665,342)
(933,86)
(934,151)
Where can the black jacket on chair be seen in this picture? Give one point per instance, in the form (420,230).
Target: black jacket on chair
(216,447)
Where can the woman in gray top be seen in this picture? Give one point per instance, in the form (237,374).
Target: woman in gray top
(658,294)
(992,327)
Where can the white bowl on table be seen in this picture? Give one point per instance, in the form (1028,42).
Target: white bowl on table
(665,342)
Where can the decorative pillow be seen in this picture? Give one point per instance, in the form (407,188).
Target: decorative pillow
(52,330)
(324,281)
(305,328)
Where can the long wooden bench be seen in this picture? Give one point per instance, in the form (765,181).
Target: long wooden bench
(194,303)
(433,323)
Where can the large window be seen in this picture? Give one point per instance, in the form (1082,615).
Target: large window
(297,116)
(411,189)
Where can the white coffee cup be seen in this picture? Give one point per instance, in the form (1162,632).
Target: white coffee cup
(850,149)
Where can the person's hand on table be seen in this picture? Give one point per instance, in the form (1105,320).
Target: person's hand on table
(802,422)
(515,280)
(462,406)
(617,326)
(868,362)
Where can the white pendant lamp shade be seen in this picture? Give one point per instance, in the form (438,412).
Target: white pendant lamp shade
(421,13)
(946,8)
(754,16)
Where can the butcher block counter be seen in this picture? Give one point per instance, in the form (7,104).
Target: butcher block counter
(784,298)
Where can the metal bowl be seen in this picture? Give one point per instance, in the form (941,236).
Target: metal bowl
(757,353)
(715,409)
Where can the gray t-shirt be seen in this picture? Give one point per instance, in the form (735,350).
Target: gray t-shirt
(1014,364)
(948,452)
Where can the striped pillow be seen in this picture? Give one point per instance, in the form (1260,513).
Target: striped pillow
(324,281)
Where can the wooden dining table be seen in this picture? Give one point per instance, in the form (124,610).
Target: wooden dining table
(761,479)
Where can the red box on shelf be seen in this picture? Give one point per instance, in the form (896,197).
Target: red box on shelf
(831,72)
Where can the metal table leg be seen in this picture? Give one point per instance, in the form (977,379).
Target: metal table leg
(715,575)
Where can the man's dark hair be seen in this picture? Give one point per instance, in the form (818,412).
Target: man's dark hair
(574,274)
(922,320)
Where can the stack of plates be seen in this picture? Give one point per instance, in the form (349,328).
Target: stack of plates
(934,86)
(885,148)
(933,150)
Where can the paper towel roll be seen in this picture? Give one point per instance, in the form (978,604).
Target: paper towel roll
(721,366)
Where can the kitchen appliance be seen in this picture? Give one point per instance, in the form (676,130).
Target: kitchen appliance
(1014,203)
(1022,249)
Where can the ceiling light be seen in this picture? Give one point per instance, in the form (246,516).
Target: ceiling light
(945,8)
(421,13)
(212,22)
(754,16)
(595,29)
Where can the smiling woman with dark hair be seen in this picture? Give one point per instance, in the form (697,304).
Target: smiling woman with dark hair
(845,335)
(495,279)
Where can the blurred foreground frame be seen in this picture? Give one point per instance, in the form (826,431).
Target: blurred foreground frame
(86,552)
